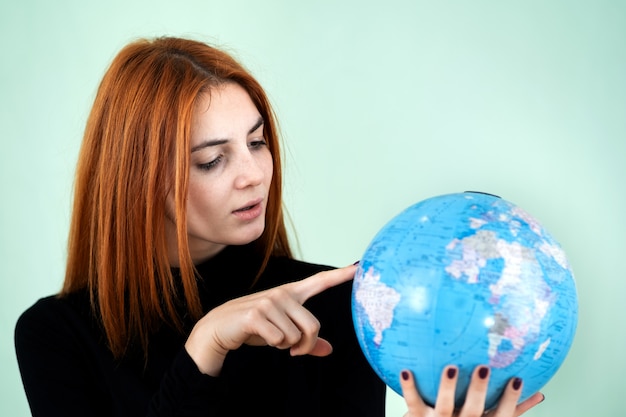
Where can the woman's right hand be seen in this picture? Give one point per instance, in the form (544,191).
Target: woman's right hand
(474,405)
(273,317)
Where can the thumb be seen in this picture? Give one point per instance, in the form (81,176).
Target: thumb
(321,348)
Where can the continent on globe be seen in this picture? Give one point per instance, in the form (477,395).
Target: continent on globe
(465,279)
(378,301)
(510,330)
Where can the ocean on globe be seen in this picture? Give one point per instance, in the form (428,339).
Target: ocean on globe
(465,279)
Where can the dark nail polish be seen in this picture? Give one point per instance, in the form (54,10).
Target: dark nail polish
(405,375)
(517,383)
(483,372)
(451,373)
(356,263)
(543,397)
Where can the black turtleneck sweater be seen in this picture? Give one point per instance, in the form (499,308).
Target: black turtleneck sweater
(67,369)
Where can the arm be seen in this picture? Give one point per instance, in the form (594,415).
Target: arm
(67,370)
(273,317)
(57,379)
(184,390)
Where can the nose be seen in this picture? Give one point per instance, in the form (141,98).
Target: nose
(250,171)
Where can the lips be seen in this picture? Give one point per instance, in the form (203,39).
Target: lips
(251,210)
(245,208)
(249,206)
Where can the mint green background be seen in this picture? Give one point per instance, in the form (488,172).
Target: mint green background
(382,104)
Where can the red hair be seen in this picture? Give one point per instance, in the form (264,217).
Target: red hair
(135,152)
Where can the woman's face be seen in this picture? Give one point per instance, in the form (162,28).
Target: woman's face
(230,174)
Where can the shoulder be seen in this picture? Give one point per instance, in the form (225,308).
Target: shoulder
(53,318)
(55,308)
(39,314)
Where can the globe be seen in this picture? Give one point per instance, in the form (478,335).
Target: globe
(465,279)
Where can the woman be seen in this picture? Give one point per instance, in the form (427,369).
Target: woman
(181,295)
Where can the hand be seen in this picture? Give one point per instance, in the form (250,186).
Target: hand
(474,405)
(274,317)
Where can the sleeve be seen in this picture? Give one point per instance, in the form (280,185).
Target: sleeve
(56,380)
(62,376)
(185,391)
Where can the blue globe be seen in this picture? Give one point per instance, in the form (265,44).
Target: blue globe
(465,279)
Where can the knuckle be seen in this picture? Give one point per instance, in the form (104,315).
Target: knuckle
(275,295)
(445,409)
(264,305)
(473,410)
(293,338)
(250,321)
(276,340)
(311,327)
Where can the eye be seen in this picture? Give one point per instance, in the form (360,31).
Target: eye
(258,143)
(211,164)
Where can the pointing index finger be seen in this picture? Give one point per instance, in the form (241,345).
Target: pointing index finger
(315,284)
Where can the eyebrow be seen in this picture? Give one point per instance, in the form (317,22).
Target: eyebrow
(217,142)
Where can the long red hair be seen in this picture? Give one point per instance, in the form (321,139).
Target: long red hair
(136,151)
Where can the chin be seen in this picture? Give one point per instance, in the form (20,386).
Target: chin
(249,237)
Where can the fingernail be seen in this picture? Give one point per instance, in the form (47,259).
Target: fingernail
(405,375)
(483,372)
(356,263)
(451,373)
(517,383)
(543,397)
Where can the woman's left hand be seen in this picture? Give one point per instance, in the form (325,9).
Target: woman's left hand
(474,405)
